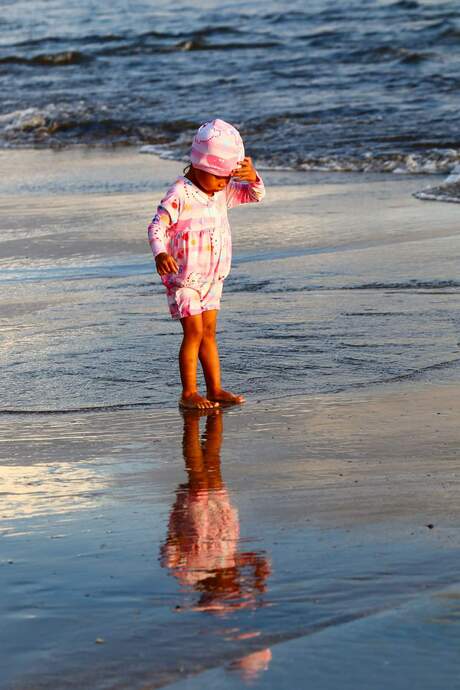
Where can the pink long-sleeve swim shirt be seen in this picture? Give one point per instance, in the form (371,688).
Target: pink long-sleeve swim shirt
(193,227)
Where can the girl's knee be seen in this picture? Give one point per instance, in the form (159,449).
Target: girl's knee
(209,324)
(209,331)
(193,327)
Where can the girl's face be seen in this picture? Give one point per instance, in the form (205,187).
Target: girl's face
(208,182)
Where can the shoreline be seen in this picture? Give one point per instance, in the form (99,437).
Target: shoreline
(329,431)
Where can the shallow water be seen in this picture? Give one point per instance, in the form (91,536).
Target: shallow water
(319,300)
(370,85)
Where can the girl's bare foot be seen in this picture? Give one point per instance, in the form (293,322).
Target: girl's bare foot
(225,397)
(195,401)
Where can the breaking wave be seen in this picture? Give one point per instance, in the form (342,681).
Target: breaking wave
(448,191)
(58,125)
(433,161)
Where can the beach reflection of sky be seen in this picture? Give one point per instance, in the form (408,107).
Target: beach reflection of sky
(29,491)
(252,567)
(202,548)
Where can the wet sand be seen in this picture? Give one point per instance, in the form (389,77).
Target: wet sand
(306,534)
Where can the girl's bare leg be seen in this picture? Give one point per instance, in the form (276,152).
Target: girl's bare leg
(188,363)
(209,358)
(208,352)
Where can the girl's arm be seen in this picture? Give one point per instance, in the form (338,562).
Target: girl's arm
(157,234)
(158,231)
(245,186)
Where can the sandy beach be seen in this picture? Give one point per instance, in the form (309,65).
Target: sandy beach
(331,498)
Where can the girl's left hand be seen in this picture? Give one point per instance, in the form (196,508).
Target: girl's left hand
(245,171)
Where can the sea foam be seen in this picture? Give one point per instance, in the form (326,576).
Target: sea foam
(449,190)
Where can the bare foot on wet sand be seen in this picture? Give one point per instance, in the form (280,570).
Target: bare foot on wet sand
(195,401)
(225,397)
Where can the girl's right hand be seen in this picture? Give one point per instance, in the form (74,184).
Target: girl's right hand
(166,264)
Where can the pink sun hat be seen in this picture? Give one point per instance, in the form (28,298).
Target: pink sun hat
(217,148)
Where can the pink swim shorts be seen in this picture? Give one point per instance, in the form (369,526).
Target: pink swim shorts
(185,301)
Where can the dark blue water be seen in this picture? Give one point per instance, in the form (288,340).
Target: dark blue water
(361,85)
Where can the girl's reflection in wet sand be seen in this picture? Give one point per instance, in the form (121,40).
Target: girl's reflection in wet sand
(201,549)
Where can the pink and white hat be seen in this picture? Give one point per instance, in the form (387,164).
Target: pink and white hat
(217,148)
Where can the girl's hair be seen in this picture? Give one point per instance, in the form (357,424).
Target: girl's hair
(187,169)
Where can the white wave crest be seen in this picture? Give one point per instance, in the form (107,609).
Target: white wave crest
(448,191)
(431,162)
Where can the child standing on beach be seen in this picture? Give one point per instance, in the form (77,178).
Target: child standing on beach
(191,242)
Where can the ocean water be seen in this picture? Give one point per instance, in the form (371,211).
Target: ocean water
(362,85)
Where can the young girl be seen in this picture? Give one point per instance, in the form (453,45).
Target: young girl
(191,242)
